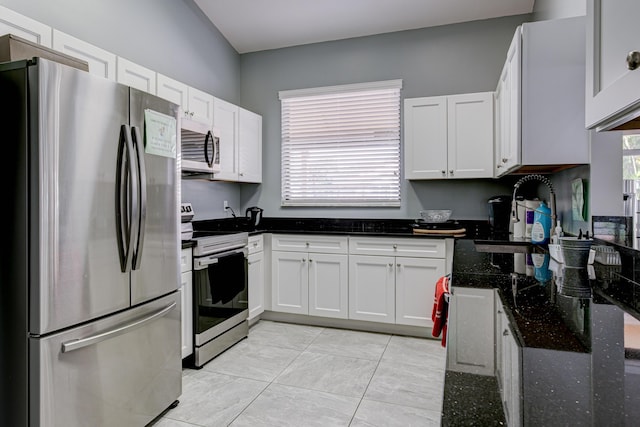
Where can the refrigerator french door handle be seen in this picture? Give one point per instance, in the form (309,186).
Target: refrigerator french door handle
(138,144)
(206,149)
(124,202)
(77,344)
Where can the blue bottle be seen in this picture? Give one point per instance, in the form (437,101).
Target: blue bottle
(541,229)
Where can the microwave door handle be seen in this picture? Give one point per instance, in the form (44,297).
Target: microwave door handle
(124,203)
(206,149)
(141,185)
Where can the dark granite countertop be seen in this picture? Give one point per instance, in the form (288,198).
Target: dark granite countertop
(577,314)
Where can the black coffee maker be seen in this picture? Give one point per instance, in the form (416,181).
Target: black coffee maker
(500,214)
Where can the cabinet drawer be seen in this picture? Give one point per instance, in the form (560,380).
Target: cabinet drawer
(310,243)
(256,244)
(185,260)
(409,247)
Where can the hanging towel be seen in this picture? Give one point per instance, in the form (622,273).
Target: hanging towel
(227,278)
(440,309)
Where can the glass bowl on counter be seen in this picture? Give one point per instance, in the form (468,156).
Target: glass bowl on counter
(435,215)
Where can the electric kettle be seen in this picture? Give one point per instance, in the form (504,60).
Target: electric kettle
(254,215)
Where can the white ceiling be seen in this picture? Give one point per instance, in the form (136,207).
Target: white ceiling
(254,25)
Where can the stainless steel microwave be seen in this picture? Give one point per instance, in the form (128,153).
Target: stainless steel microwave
(200,147)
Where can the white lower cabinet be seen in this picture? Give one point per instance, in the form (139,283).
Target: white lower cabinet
(255,272)
(507,366)
(392,280)
(307,282)
(186,300)
(470,334)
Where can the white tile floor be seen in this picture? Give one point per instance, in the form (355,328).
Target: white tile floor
(295,375)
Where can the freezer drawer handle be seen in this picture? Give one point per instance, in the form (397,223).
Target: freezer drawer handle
(103,336)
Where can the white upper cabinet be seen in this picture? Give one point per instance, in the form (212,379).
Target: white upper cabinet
(24,27)
(172,90)
(200,105)
(613,82)
(101,62)
(240,142)
(136,76)
(449,136)
(225,118)
(540,99)
(250,147)
(196,104)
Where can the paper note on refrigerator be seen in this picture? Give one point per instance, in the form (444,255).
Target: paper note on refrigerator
(159,134)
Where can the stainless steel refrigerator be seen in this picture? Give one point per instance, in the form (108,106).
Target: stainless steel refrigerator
(89,308)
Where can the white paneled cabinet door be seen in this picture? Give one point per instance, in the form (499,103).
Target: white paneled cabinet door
(225,118)
(612,33)
(290,282)
(135,75)
(172,90)
(256,283)
(328,285)
(425,137)
(101,62)
(200,106)
(24,27)
(372,288)
(415,287)
(470,135)
(186,299)
(509,103)
(471,331)
(249,146)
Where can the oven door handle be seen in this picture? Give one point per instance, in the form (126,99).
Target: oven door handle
(200,263)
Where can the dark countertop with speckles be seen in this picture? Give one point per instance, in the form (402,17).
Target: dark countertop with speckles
(575,315)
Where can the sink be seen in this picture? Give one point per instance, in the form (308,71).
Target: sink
(503,247)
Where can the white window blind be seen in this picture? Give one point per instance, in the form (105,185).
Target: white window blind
(341,145)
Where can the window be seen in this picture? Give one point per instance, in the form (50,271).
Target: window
(341,145)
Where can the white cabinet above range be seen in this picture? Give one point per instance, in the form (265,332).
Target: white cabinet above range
(449,136)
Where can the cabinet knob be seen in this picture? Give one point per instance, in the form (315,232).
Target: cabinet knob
(390,264)
(303,260)
(307,243)
(506,332)
(499,166)
(633,60)
(310,260)
(444,172)
(398,265)
(241,174)
(450,171)
(395,246)
(255,244)
(504,160)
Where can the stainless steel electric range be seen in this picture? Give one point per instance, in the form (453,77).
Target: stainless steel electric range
(220,302)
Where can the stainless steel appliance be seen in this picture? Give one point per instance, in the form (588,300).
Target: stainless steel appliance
(186,226)
(221,304)
(89,308)
(200,147)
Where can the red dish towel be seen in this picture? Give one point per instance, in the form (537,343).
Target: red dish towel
(440,309)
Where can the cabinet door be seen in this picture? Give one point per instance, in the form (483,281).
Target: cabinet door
(290,282)
(509,103)
(612,32)
(372,288)
(172,90)
(415,288)
(425,138)
(101,62)
(22,26)
(256,283)
(470,135)
(328,285)
(134,75)
(249,147)
(225,118)
(186,301)
(511,387)
(471,331)
(200,106)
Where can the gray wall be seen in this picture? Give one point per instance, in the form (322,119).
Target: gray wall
(172,37)
(459,58)
(555,9)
